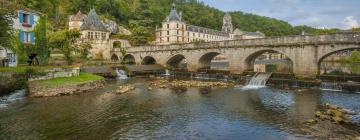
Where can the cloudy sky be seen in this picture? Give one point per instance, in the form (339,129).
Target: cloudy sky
(342,14)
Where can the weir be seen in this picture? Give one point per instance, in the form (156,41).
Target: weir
(259,80)
(121,74)
(331,86)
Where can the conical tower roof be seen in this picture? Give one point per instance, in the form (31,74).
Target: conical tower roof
(174,16)
(78,17)
(93,22)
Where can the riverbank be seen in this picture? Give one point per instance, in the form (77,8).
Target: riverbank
(66,86)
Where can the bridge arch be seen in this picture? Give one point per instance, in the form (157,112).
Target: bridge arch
(205,60)
(129,59)
(114,57)
(328,54)
(258,60)
(148,60)
(177,61)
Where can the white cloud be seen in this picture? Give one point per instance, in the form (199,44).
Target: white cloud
(350,22)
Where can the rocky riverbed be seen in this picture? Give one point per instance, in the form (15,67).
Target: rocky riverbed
(125,88)
(49,91)
(331,119)
(160,82)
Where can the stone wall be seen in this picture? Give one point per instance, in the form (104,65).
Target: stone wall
(56,73)
(305,52)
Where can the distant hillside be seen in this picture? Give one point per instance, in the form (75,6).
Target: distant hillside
(142,16)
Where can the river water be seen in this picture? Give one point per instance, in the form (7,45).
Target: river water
(189,113)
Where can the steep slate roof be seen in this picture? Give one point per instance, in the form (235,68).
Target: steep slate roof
(78,17)
(194,28)
(173,16)
(93,23)
(239,32)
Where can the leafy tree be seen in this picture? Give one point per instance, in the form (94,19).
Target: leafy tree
(6,15)
(355,29)
(84,50)
(64,41)
(355,57)
(41,48)
(142,16)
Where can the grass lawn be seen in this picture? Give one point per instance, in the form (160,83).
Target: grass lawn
(83,78)
(22,69)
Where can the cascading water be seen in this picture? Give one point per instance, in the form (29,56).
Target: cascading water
(121,74)
(258,81)
(331,86)
(167,72)
(6,100)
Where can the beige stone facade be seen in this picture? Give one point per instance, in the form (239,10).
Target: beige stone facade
(175,30)
(97,33)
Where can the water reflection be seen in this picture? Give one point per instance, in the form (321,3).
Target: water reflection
(182,113)
(339,68)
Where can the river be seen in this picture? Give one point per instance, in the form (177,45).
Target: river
(190,113)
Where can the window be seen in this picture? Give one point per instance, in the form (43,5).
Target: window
(168,39)
(88,35)
(168,26)
(26,37)
(168,32)
(26,18)
(160,33)
(177,25)
(103,36)
(91,35)
(182,27)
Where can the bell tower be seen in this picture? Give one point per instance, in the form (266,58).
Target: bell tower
(227,24)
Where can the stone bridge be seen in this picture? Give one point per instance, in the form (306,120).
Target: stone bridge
(305,52)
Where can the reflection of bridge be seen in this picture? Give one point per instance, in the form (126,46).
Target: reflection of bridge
(305,52)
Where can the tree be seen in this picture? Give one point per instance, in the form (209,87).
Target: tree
(355,57)
(41,48)
(84,50)
(65,41)
(6,15)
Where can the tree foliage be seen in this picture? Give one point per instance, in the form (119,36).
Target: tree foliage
(65,41)
(6,13)
(142,16)
(355,57)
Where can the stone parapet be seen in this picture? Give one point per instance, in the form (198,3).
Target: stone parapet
(338,38)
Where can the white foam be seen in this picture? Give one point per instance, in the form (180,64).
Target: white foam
(121,74)
(6,100)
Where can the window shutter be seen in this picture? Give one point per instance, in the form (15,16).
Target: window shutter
(32,37)
(21,17)
(21,36)
(31,20)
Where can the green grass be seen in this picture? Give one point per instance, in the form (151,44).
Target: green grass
(23,69)
(83,78)
(14,69)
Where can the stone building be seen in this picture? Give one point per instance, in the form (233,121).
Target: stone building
(98,33)
(24,23)
(175,30)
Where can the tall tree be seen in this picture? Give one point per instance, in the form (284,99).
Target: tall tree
(64,41)
(7,12)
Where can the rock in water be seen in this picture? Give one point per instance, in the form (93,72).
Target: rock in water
(125,89)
